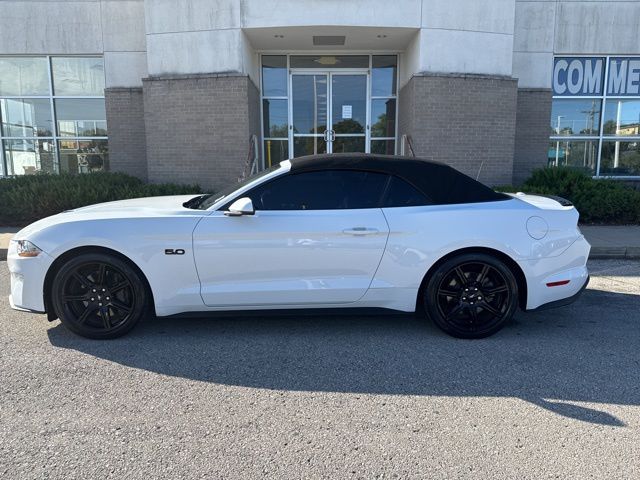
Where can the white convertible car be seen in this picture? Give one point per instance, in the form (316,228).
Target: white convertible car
(330,231)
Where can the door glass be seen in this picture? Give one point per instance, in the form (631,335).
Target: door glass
(308,145)
(349,104)
(349,144)
(309,104)
(321,190)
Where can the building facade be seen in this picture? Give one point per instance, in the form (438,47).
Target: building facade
(189,90)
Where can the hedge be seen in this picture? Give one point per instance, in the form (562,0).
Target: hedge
(601,201)
(25,199)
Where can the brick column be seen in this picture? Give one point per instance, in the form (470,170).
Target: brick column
(466,121)
(127,141)
(532,132)
(198,127)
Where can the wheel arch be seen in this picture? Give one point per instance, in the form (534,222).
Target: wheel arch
(511,264)
(60,260)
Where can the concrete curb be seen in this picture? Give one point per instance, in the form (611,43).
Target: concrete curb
(615,253)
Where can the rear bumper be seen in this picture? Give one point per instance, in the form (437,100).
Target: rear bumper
(563,301)
(553,280)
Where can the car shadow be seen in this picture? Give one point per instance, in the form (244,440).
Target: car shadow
(586,352)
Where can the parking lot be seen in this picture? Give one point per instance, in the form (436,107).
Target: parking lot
(556,394)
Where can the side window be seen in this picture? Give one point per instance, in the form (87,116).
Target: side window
(401,194)
(321,190)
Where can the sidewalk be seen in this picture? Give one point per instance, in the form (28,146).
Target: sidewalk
(606,242)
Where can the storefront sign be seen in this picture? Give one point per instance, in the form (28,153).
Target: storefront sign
(584,76)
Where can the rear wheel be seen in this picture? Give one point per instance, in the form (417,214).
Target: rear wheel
(471,296)
(98,295)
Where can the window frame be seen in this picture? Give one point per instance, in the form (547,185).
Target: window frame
(600,137)
(370,97)
(55,138)
(380,203)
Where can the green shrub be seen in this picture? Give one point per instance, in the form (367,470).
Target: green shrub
(598,201)
(25,199)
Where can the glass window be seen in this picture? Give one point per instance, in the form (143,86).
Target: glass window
(26,157)
(620,158)
(383,147)
(81,117)
(622,117)
(329,61)
(78,76)
(322,190)
(24,76)
(26,117)
(384,75)
(400,194)
(575,117)
(275,151)
(274,75)
(383,117)
(83,156)
(275,118)
(574,153)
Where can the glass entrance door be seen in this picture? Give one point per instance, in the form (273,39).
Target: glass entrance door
(329,113)
(348,131)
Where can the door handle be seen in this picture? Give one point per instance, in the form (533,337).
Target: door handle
(332,135)
(360,231)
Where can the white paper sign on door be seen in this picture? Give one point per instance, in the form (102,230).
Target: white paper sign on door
(347,112)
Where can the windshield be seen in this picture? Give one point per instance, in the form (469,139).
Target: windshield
(206,201)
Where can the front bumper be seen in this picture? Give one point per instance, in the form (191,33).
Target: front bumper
(27,280)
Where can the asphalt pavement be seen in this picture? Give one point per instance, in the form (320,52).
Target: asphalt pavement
(556,394)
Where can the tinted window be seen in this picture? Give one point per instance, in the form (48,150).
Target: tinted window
(322,190)
(401,194)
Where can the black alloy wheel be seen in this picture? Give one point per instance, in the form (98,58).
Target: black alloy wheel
(471,296)
(99,296)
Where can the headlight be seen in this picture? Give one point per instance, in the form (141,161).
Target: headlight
(25,248)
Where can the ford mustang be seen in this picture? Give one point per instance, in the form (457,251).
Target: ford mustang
(330,231)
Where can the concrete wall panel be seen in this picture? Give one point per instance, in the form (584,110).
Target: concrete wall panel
(195,52)
(534,26)
(533,69)
(400,13)
(166,16)
(53,27)
(123,25)
(125,69)
(459,51)
(598,27)
(496,16)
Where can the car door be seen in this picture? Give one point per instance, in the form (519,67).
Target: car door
(315,238)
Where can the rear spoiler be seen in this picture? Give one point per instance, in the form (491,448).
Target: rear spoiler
(562,201)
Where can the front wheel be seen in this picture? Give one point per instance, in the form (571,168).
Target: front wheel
(97,295)
(471,296)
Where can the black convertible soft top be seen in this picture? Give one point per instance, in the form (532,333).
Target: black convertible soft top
(437,181)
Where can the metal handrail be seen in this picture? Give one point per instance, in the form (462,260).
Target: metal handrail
(406,141)
(251,164)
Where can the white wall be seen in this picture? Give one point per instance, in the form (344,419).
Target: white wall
(114,28)
(545,28)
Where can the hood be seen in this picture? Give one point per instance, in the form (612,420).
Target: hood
(132,208)
(157,204)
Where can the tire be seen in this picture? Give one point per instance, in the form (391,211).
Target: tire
(99,296)
(471,296)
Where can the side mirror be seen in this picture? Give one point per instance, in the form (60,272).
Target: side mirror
(242,206)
